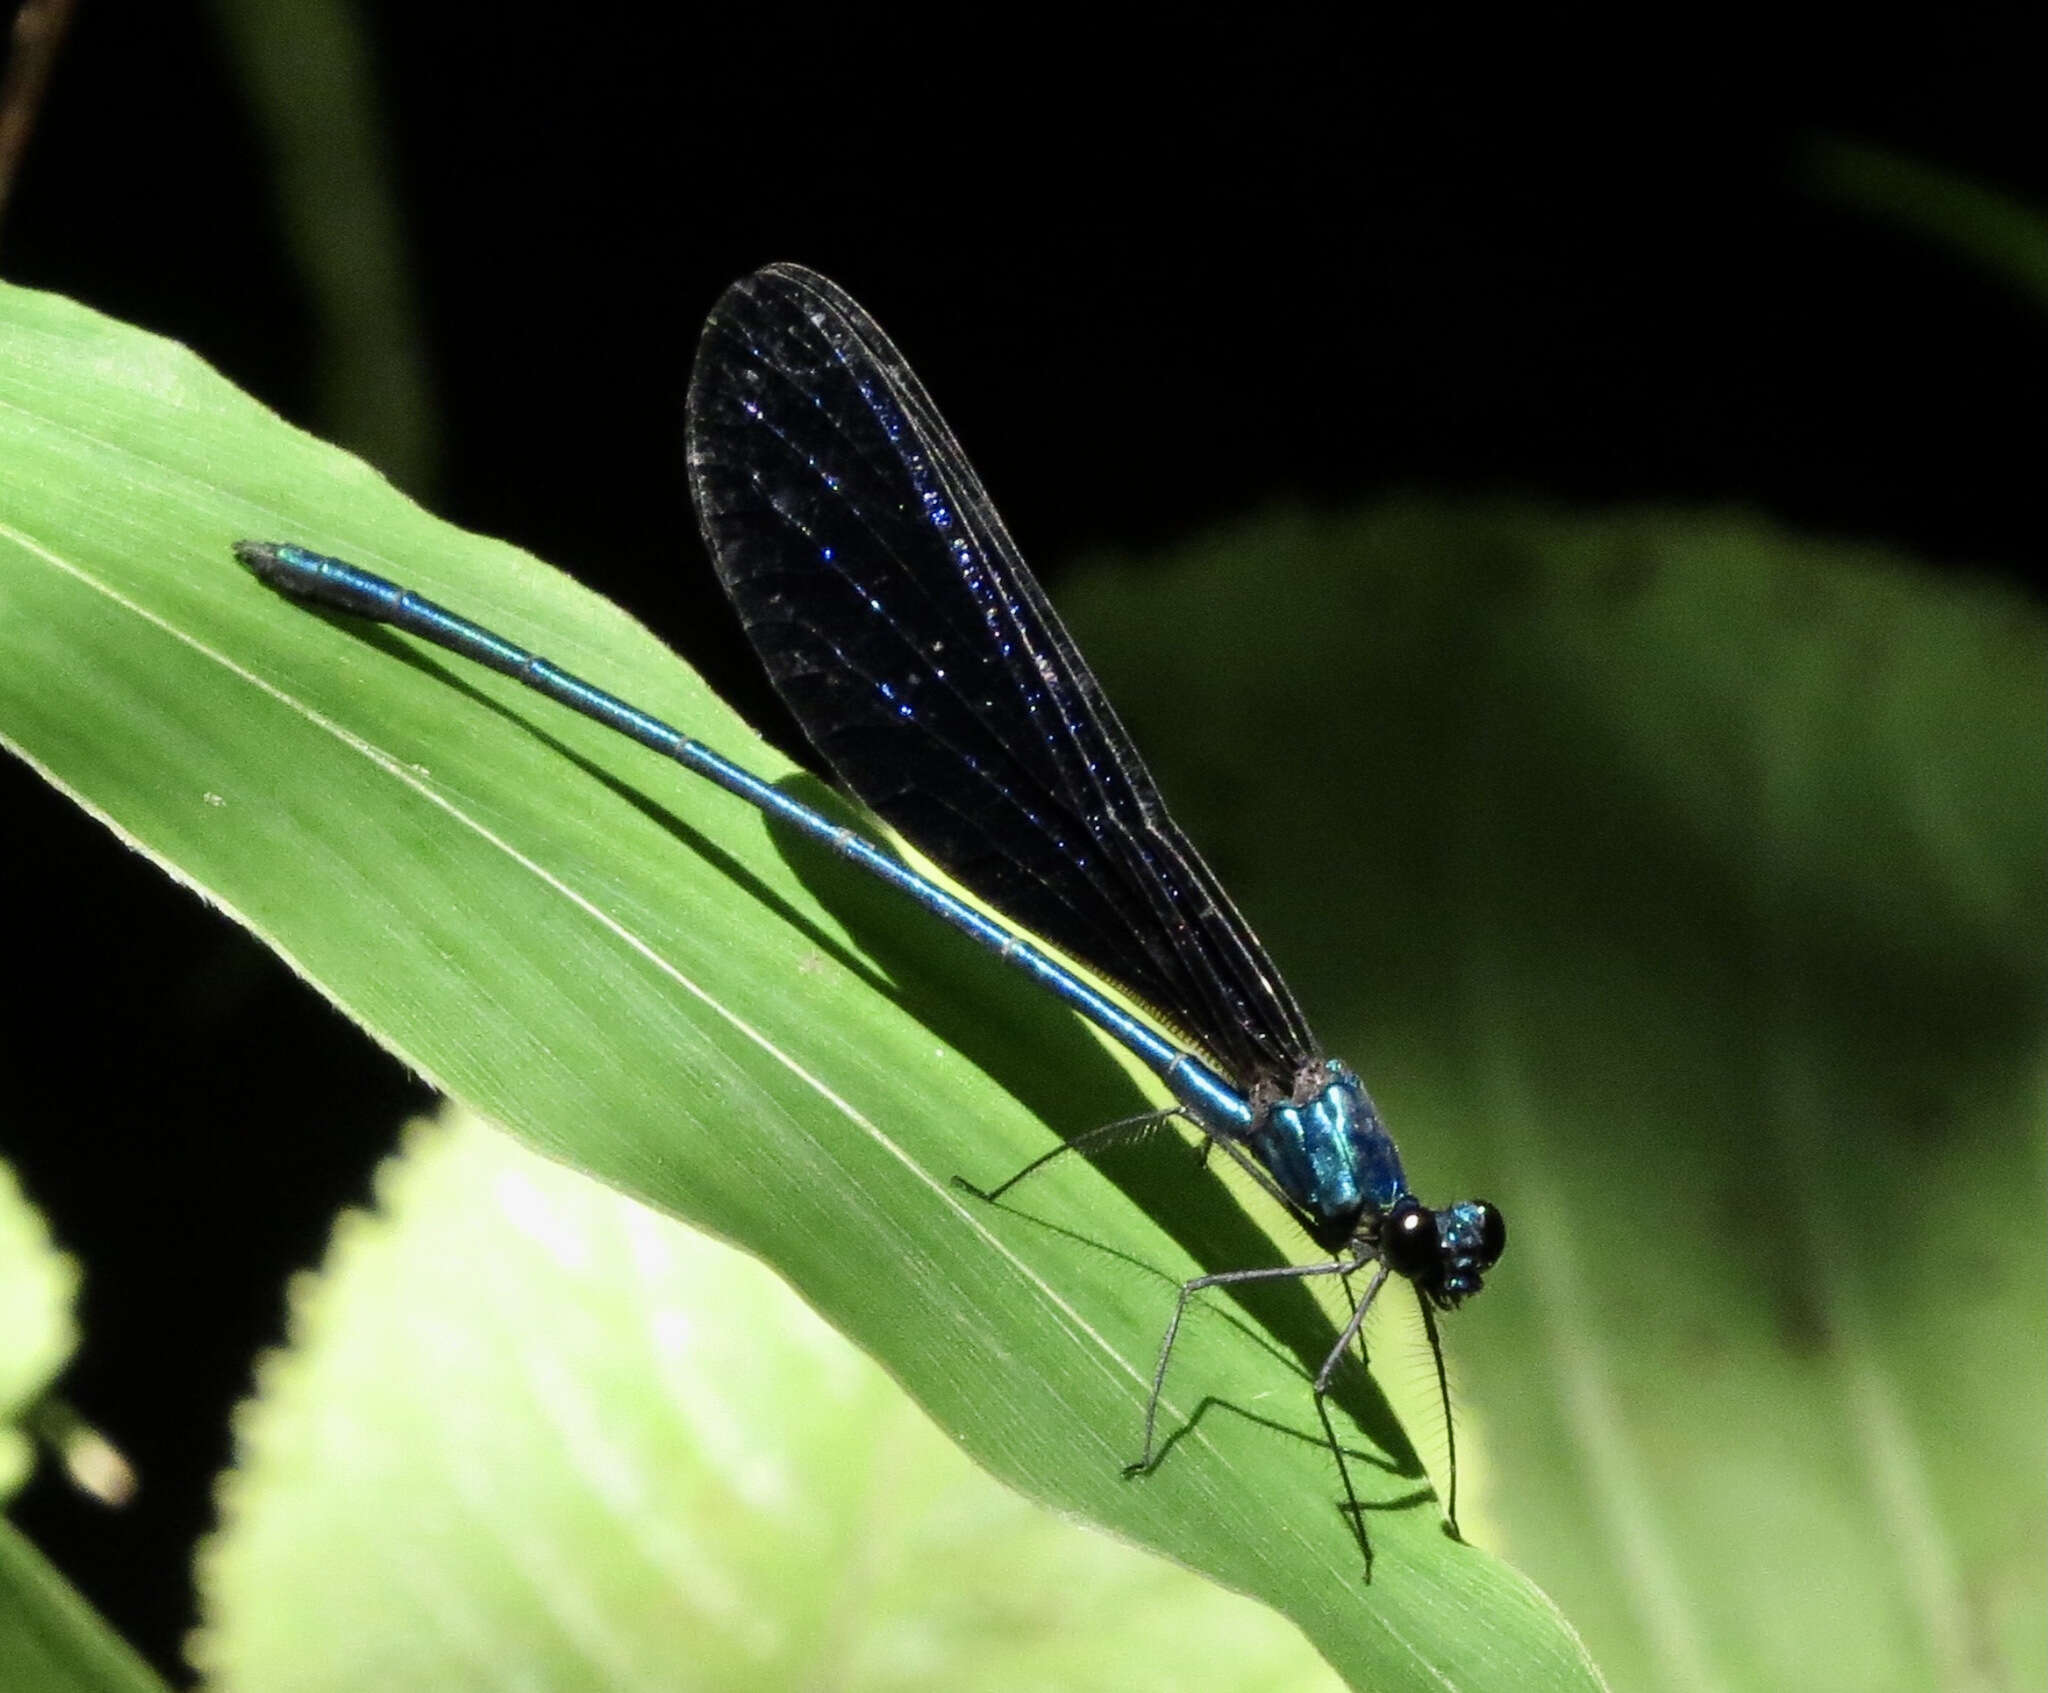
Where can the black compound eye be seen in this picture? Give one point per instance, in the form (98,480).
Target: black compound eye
(1408,1240)
(1493,1233)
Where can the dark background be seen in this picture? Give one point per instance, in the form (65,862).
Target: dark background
(1154,282)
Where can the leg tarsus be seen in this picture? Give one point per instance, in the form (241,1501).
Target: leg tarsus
(1354,1509)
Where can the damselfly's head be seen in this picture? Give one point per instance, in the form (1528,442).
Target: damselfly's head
(1446,1253)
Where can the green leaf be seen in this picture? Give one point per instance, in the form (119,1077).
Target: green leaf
(638,976)
(631,1457)
(1679,884)
(2002,235)
(51,1640)
(38,1289)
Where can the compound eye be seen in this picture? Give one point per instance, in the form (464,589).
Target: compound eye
(1408,1240)
(1493,1233)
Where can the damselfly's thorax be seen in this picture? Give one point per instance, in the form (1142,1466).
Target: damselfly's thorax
(1328,1152)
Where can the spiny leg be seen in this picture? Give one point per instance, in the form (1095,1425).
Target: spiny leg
(1443,1391)
(1351,1329)
(1354,1509)
(1188,1289)
(1088,1145)
(1353,1506)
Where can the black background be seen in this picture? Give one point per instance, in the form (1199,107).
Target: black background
(1154,281)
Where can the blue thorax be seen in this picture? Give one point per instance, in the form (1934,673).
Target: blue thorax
(1327,1152)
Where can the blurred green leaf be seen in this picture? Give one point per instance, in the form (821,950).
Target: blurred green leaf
(631,1457)
(639,977)
(2002,235)
(38,1289)
(309,76)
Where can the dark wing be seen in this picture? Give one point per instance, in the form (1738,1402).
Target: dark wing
(901,626)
